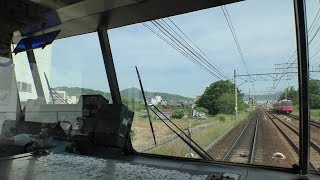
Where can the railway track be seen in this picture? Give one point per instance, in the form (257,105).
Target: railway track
(243,148)
(292,136)
(313,123)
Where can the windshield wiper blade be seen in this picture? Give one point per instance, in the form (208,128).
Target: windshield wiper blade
(146,106)
(200,151)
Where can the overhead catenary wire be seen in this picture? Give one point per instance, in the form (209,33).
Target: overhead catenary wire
(191,52)
(186,45)
(234,35)
(196,46)
(316,33)
(310,30)
(197,54)
(177,40)
(180,50)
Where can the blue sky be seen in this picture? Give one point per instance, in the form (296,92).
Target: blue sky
(265,31)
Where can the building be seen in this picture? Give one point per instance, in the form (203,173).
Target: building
(62,97)
(156,100)
(198,115)
(163,103)
(165,113)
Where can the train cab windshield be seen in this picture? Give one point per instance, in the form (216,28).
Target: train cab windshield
(217,85)
(51,86)
(287,103)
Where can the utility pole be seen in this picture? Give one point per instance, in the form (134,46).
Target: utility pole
(235,95)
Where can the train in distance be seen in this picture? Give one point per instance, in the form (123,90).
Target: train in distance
(283,106)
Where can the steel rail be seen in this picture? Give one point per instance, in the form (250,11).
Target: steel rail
(294,146)
(227,155)
(313,144)
(253,144)
(314,123)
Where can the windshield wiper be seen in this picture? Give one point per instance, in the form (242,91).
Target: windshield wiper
(146,106)
(201,152)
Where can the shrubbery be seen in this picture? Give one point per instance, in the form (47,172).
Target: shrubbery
(222,119)
(177,114)
(219,98)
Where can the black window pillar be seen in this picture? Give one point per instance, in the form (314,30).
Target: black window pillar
(109,66)
(35,75)
(303,73)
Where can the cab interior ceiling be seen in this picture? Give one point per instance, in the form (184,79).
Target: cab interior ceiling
(75,17)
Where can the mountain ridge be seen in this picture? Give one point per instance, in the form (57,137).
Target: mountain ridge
(128,92)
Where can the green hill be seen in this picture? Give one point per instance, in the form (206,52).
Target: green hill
(129,92)
(136,93)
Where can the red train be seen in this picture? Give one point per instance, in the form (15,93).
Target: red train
(283,106)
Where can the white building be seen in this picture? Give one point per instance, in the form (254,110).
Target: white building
(157,100)
(163,103)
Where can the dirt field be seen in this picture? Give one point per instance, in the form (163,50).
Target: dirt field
(142,130)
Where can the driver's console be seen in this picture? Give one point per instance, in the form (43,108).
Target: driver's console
(91,127)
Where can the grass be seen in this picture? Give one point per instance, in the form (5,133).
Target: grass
(178,148)
(143,134)
(314,113)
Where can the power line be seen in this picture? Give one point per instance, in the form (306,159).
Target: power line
(310,29)
(181,50)
(234,35)
(175,40)
(177,48)
(195,45)
(316,18)
(198,55)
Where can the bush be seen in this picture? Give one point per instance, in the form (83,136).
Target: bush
(222,119)
(201,109)
(177,114)
(143,114)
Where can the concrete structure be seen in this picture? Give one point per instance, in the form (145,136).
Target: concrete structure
(8,91)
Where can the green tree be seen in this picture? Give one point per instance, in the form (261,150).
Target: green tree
(132,104)
(291,94)
(226,103)
(314,94)
(178,114)
(219,98)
